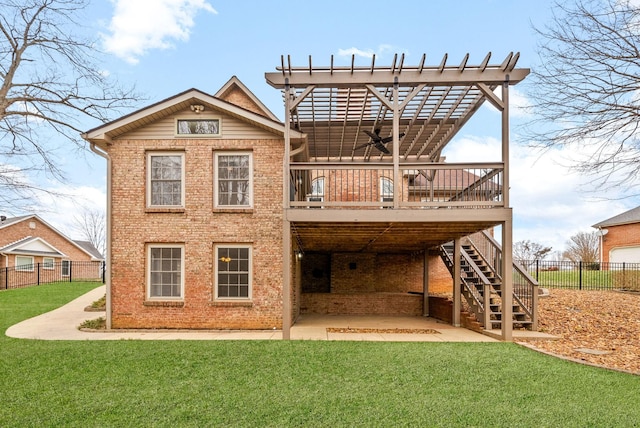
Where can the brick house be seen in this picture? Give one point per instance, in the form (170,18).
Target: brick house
(620,237)
(223,217)
(29,245)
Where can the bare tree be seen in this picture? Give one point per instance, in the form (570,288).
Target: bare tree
(91,224)
(526,252)
(585,91)
(583,246)
(51,82)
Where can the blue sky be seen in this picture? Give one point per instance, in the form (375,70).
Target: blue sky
(167,46)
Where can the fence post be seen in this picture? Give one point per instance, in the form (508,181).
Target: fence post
(580,275)
(6,278)
(70,264)
(38,274)
(537,270)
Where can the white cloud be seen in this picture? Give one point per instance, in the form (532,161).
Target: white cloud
(550,202)
(368,53)
(139,26)
(357,52)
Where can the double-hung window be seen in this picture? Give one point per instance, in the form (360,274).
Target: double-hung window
(24,263)
(233,271)
(166,271)
(233,186)
(165,179)
(47,263)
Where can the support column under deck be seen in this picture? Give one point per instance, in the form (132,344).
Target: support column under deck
(457,296)
(507,281)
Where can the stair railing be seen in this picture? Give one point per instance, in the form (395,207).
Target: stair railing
(525,288)
(480,303)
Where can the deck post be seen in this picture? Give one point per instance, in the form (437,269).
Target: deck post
(457,296)
(507,226)
(507,280)
(397,179)
(286,226)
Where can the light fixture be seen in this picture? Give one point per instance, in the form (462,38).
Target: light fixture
(298,254)
(197,108)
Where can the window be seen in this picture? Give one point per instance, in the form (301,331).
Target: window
(386,190)
(47,263)
(166,272)
(233,273)
(24,263)
(233,180)
(66,267)
(165,182)
(317,191)
(197,127)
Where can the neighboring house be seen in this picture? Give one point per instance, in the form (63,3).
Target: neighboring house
(29,247)
(620,237)
(222,217)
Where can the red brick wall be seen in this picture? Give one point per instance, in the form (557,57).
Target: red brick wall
(198,227)
(22,229)
(618,237)
(362,304)
(376,284)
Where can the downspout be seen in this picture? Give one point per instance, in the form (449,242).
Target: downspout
(107,279)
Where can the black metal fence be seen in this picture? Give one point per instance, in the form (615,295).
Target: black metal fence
(584,275)
(44,273)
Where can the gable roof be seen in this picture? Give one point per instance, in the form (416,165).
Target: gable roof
(234,85)
(627,217)
(104,134)
(94,254)
(32,246)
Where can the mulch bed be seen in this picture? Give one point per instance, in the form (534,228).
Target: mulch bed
(596,327)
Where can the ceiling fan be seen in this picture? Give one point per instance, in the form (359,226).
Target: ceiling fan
(377,141)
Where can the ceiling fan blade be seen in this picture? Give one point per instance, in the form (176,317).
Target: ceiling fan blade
(373,136)
(388,139)
(382,148)
(363,145)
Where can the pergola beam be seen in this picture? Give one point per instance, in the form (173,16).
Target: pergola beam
(430,77)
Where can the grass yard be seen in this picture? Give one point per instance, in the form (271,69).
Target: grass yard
(296,383)
(590,279)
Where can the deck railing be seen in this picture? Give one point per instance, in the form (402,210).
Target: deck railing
(371,185)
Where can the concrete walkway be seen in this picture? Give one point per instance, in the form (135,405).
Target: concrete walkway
(62,324)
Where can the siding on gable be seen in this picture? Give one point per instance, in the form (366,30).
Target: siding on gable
(231,128)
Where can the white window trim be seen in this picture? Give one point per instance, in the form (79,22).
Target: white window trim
(215,180)
(215,275)
(22,267)
(203,118)
(148,282)
(50,265)
(150,154)
(62,264)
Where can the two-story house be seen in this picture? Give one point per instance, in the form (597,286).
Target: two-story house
(223,217)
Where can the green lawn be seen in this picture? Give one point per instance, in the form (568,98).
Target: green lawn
(297,383)
(590,279)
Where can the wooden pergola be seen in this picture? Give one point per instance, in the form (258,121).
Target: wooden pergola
(416,111)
